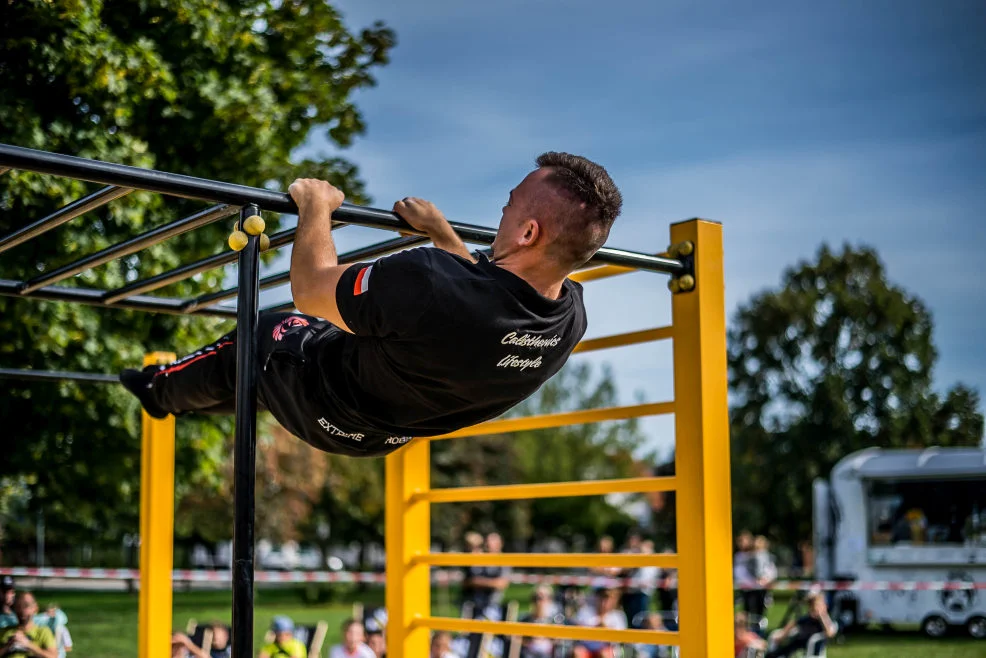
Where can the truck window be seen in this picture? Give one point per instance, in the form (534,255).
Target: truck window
(912,512)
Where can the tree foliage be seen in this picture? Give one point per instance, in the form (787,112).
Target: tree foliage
(223,89)
(836,360)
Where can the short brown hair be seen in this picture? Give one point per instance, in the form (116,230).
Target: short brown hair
(594,202)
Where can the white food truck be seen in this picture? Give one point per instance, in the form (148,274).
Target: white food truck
(905,516)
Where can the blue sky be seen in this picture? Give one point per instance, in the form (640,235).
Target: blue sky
(793,123)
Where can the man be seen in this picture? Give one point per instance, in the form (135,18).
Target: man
(637,596)
(489,583)
(795,636)
(543,611)
(285,645)
(377,643)
(352,642)
(27,638)
(605,613)
(182,646)
(419,343)
(7,593)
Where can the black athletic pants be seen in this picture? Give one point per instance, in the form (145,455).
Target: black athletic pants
(205,381)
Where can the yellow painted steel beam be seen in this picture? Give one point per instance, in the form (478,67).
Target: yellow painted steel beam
(584,416)
(622,560)
(602,272)
(704,519)
(620,340)
(554,631)
(157,523)
(408,533)
(547,490)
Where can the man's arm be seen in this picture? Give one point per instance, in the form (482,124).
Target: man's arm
(33,649)
(315,269)
(830,628)
(424,216)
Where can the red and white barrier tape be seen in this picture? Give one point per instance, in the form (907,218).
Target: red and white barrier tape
(190,575)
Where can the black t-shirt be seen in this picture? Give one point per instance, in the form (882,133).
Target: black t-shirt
(439,343)
(806,627)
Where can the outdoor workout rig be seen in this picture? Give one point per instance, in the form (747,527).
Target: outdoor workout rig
(695,263)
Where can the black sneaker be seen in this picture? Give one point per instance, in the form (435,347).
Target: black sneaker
(138,382)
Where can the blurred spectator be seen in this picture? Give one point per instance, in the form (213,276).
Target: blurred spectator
(637,596)
(652,622)
(489,583)
(377,643)
(285,645)
(469,607)
(183,647)
(605,613)
(441,643)
(795,636)
(543,611)
(352,642)
(27,638)
(605,546)
(56,620)
(764,574)
(7,592)
(220,647)
(667,595)
(742,568)
(743,638)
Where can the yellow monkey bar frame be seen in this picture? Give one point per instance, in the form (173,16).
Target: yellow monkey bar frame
(705,594)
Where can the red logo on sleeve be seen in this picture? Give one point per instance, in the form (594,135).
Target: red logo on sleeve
(362,283)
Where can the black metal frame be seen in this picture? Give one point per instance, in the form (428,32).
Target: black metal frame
(122,180)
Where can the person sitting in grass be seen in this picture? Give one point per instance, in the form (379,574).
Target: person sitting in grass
(797,633)
(285,644)
(27,638)
(182,646)
(352,645)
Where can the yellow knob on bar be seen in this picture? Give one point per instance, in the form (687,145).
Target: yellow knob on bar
(254,225)
(238,240)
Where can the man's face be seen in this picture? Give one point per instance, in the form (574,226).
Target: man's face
(283,636)
(519,211)
(220,637)
(354,636)
(494,543)
(377,643)
(817,606)
(25,608)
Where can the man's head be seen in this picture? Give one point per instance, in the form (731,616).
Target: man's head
(633,541)
(441,643)
(220,635)
(606,599)
(283,629)
(494,542)
(816,604)
(741,622)
(7,590)
(352,634)
(542,600)
(474,541)
(744,541)
(25,607)
(560,213)
(761,543)
(605,544)
(377,643)
(647,546)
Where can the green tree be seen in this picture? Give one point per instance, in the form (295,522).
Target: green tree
(836,360)
(223,89)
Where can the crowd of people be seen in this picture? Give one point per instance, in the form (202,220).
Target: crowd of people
(27,631)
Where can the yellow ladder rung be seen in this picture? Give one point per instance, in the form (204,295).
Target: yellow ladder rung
(546,490)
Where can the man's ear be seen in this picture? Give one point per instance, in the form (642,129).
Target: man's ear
(532,233)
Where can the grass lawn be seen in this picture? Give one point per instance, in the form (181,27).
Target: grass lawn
(104,625)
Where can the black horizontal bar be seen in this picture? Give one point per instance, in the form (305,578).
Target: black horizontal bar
(186,271)
(372,251)
(58,376)
(92,297)
(62,215)
(130,246)
(199,188)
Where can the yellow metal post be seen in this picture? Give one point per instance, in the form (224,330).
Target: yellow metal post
(704,528)
(408,537)
(157,521)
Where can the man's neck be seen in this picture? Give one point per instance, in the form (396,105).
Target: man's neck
(26,626)
(547,283)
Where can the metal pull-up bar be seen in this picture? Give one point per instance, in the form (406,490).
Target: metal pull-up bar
(231,198)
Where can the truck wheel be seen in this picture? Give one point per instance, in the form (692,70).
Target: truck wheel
(934,626)
(977,627)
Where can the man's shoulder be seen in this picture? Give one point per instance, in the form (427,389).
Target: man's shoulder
(43,636)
